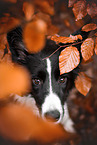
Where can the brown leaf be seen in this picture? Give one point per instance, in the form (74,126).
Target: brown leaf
(76,37)
(13,79)
(68,59)
(45,7)
(71,3)
(89,27)
(62,39)
(28,10)
(83,83)
(92,9)
(79,9)
(87,49)
(95,34)
(96,46)
(34,35)
(18,123)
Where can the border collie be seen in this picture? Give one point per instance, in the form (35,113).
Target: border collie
(49,88)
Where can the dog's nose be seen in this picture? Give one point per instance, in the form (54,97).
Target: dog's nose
(54,114)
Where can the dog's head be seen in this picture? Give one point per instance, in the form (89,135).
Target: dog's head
(49,88)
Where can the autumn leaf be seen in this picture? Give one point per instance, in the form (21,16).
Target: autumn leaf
(13,79)
(89,27)
(44,7)
(83,83)
(79,9)
(62,39)
(19,123)
(96,46)
(87,49)
(76,37)
(28,10)
(95,34)
(68,59)
(34,35)
(71,3)
(92,9)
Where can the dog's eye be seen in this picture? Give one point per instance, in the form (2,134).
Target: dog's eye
(36,81)
(63,80)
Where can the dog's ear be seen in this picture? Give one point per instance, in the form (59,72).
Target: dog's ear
(16,45)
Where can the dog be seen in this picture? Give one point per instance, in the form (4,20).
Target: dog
(49,89)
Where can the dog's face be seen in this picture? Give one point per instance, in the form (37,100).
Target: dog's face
(49,88)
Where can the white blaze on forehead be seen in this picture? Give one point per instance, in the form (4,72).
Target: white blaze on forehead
(52,101)
(49,73)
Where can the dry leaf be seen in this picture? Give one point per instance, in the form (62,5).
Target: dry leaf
(44,7)
(62,39)
(34,35)
(89,27)
(18,123)
(28,10)
(87,49)
(68,59)
(95,34)
(71,3)
(13,79)
(83,83)
(96,46)
(92,9)
(79,9)
(76,37)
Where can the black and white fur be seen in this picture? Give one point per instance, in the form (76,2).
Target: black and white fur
(49,89)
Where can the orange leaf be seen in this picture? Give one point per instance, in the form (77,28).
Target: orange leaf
(83,83)
(95,34)
(71,3)
(92,9)
(89,27)
(79,9)
(34,35)
(45,7)
(76,37)
(28,10)
(13,79)
(62,39)
(96,46)
(87,48)
(68,59)
(18,123)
